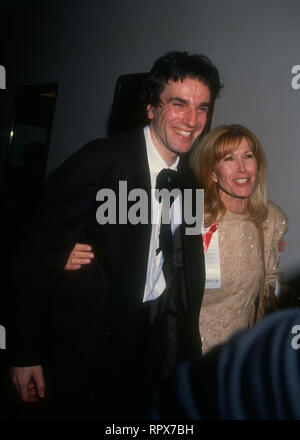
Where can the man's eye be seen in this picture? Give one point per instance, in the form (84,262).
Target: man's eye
(203,109)
(178,104)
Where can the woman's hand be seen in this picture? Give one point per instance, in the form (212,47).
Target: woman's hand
(81,254)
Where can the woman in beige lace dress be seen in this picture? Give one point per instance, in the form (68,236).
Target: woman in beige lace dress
(230,165)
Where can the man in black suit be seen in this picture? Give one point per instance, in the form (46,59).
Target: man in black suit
(102,337)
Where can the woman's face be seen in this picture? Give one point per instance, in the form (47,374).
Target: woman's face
(235,175)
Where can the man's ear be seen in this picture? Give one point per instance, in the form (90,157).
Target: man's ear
(150,112)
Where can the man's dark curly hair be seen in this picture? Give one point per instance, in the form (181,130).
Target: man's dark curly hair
(177,66)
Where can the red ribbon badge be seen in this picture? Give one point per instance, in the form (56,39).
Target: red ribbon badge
(207,236)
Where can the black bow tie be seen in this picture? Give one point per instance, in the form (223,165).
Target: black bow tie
(166,179)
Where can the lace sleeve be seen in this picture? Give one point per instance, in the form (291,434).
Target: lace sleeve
(274,229)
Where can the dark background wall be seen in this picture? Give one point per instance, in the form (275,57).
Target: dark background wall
(86,46)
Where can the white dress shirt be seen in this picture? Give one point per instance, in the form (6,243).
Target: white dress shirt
(155,281)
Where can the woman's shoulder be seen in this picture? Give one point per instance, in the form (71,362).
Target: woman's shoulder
(275,211)
(276,216)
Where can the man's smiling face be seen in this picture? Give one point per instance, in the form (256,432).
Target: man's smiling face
(179,118)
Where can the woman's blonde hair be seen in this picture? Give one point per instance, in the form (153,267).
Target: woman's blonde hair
(211,149)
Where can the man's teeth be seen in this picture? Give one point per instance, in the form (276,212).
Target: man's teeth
(241,180)
(184,133)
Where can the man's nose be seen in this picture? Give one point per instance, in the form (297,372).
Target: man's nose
(190,117)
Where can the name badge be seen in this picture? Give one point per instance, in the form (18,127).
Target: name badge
(212,262)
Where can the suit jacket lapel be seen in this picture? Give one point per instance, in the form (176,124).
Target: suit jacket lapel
(127,300)
(140,234)
(192,253)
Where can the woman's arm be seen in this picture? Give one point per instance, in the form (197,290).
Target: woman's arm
(275,228)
